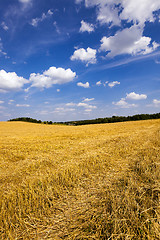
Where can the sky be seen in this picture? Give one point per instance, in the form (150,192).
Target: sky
(79,59)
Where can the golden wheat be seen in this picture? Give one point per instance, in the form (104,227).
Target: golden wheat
(85,182)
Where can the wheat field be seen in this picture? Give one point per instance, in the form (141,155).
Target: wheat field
(85,182)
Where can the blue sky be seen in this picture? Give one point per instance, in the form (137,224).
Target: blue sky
(79,59)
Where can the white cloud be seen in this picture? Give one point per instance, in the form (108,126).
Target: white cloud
(10,101)
(108,14)
(86,27)
(123,104)
(58,90)
(112,84)
(88,99)
(139,10)
(114,11)
(85,105)
(107,10)
(25,1)
(22,105)
(135,96)
(79,1)
(50,12)
(98,83)
(9,81)
(63,110)
(87,56)
(85,85)
(51,77)
(4,26)
(156,102)
(131,96)
(128,41)
(88,110)
(69,109)
(27,89)
(1,102)
(71,104)
(36,21)
(59,109)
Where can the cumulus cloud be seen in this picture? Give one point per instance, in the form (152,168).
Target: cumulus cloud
(36,21)
(22,105)
(136,96)
(129,96)
(114,83)
(71,104)
(128,41)
(108,14)
(123,104)
(85,105)
(113,12)
(51,77)
(156,102)
(85,85)
(98,83)
(86,27)
(139,10)
(106,10)
(87,56)
(88,99)
(10,81)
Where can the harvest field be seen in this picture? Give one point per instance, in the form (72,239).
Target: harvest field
(85,182)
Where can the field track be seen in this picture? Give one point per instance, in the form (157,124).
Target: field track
(85,182)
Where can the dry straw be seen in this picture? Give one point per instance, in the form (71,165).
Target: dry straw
(86,182)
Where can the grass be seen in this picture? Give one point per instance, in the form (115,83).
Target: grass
(86,182)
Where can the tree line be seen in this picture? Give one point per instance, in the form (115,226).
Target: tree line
(112,119)
(32,120)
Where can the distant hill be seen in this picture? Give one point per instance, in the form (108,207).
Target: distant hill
(94,121)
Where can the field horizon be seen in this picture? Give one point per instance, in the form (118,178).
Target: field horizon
(97,182)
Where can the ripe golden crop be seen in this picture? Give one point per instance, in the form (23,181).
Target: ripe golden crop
(85,182)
